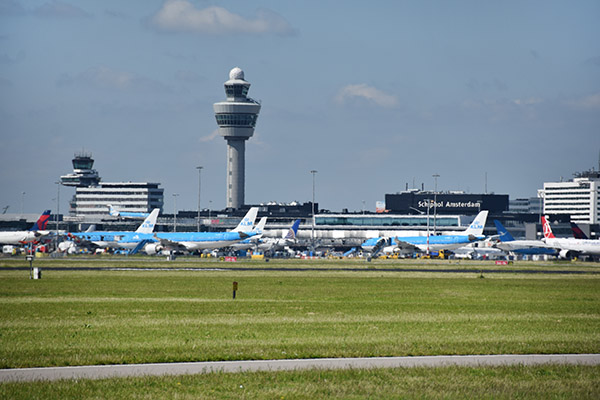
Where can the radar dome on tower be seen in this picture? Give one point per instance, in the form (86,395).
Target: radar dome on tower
(236,73)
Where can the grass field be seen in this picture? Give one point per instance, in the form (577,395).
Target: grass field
(75,317)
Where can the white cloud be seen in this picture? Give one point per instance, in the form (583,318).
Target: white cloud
(588,102)
(527,102)
(367,92)
(210,137)
(183,16)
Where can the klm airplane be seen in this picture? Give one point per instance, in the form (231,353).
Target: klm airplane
(509,244)
(430,243)
(190,241)
(269,243)
(112,238)
(125,214)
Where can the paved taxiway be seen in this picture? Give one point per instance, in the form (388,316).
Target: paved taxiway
(119,371)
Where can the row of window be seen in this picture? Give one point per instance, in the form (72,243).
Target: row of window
(236,90)
(246,120)
(391,221)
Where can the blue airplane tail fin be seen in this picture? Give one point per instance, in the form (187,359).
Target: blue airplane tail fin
(293,231)
(502,232)
(42,222)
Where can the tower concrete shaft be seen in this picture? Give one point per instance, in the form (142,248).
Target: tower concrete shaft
(236,172)
(236,118)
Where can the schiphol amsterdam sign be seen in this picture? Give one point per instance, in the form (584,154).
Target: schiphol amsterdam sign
(449,204)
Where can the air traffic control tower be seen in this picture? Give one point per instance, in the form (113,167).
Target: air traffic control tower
(236,118)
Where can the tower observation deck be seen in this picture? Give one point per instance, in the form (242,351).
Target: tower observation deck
(236,118)
(83,173)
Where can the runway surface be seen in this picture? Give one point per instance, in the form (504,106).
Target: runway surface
(115,371)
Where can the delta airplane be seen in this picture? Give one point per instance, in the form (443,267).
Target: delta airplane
(509,244)
(430,243)
(569,247)
(124,214)
(112,238)
(189,241)
(34,234)
(577,232)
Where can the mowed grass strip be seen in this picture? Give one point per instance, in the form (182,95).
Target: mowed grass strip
(183,262)
(81,317)
(516,382)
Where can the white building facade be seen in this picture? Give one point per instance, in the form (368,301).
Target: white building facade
(577,198)
(125,196)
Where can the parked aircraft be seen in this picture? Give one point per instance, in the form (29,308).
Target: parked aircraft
(509,244)
(577,232)
(429,243)
(112,238)
(268,243)
(124,214)
(253,242)
(190,241)
(247,223)
(569,247)
(34,234)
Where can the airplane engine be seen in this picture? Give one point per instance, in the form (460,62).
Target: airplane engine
(67,246)
(153,248)
(566,254)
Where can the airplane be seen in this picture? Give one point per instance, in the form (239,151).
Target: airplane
(254,241)
(247,223)
(124,214)
(112,238)
(34,234)
(577,232)
(430,243)
(508,243)
(189,241)
(569,247)
(268,243)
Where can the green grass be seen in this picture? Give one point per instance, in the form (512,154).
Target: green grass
(142,261)
(110,317)
(518,382)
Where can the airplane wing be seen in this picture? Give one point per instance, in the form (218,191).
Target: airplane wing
(405,246)
(82,242)
(170,245)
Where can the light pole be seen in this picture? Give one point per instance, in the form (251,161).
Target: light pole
(22,201)
(57,209)
(428,206)
(313,172)
(199,168)
(210,220)
(435,176)
(175,211)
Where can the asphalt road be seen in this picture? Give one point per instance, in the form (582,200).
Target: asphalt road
(113,371)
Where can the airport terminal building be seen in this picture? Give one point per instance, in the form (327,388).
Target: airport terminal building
(139,197)
(454,203)
(577,198)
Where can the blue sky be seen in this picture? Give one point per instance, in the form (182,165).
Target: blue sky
(374,96)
